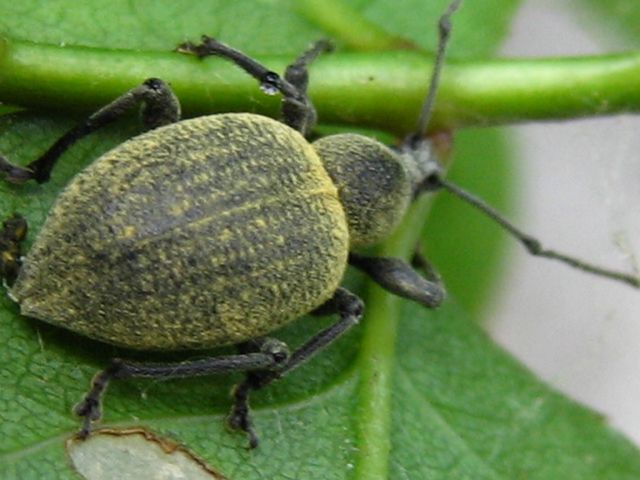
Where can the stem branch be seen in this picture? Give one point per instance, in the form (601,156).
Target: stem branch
(381,90)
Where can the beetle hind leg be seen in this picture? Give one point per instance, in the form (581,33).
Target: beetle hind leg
(14,231)
(271,357)
(348,306)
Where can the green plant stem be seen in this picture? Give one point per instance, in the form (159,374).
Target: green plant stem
(380,90)
(377,354)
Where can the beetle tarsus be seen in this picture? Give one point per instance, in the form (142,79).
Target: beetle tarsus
(90,407)
(14,231)
(159,107)
(13,173)
(239,417)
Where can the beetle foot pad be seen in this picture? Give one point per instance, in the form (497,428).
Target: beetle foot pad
(13,173)
(89,410)
(240,419)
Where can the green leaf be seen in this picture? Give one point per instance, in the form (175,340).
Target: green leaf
(407,394)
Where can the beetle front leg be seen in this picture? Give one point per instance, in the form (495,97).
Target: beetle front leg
(400,278)
(160,107)
(297,110)
(300,113)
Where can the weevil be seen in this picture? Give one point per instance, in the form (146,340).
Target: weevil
(219,230)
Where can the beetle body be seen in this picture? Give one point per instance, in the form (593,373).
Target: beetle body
(216,231)
(221,229)
(205,232)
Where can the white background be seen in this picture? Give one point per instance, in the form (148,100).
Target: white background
(581,194)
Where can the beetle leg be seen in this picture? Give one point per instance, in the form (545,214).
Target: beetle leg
(419,262)
(297,109)
(160,107)
(240,418)
(300,114)
(14,230)
(348,306)
(272,357)
(400,278)
(270,82)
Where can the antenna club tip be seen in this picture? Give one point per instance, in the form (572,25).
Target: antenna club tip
(454,6)
(444,23)
(444,26)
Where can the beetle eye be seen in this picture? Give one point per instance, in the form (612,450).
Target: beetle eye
(431,183)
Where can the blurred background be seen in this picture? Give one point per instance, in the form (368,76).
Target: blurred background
(579,194)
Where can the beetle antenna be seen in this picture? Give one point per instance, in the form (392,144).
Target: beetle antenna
(532,245)
(444,31)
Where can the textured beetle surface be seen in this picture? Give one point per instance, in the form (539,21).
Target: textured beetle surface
(375,184)
(190,236)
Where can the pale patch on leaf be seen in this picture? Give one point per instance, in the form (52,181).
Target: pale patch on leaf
(134,454)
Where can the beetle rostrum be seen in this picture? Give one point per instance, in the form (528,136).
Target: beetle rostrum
(220,229)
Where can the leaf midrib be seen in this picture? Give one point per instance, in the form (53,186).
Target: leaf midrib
(376,358)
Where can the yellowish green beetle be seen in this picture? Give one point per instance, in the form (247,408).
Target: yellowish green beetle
(220,229)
